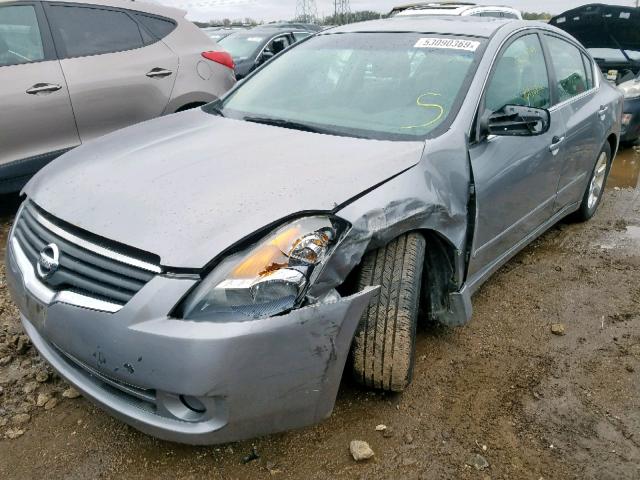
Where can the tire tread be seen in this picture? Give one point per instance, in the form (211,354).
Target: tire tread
(385,340)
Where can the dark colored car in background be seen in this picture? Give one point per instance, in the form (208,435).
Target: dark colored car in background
(218,33)
(309,27)
(251,48)
(612,36)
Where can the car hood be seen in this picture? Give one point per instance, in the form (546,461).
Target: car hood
(188,186)
(602,26)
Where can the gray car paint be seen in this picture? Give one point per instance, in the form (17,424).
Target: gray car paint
(230,204)
(251,176)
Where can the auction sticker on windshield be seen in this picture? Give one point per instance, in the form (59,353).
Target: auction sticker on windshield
(452,43)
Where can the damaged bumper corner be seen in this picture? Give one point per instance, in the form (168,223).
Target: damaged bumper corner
(198,382)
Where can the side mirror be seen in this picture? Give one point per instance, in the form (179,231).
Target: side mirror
(516,121)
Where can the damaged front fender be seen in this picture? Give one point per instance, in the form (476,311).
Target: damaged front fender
(432,196)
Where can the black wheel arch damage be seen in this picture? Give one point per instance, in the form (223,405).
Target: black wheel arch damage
(190,106)
(439,278)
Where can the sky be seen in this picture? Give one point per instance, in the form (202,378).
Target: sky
(267,10)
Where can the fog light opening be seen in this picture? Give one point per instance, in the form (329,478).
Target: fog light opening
(193,404)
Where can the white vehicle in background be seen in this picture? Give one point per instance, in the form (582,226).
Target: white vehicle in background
(460,9)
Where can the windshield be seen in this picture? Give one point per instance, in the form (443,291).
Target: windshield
(375,85)
(216,35)
(613,54)
(242,45)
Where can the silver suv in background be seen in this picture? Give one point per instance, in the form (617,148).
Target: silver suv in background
(72,71)
(462,9)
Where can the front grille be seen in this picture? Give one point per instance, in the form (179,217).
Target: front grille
(108,276)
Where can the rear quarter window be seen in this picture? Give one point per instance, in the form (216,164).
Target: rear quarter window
(158,27)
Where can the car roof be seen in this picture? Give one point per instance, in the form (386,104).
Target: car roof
(276,30)
(452,25)
(141,6)
(291,25)
(455,8)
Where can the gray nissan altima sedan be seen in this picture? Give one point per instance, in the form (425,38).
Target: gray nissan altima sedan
(205,276)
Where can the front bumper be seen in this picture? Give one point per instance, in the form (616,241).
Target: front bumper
(158,374)
(631,129)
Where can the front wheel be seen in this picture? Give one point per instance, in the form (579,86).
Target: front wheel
(595,187)
(384,346)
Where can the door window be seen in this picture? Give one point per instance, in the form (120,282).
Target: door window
(278,44)
(588,68)
(570,72)
(20,40)
(297,36)
(520,76)
(159,27)
(82,31)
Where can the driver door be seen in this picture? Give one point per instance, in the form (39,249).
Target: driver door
(516,178)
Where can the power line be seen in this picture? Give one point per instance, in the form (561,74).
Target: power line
(341,12)
(306,11)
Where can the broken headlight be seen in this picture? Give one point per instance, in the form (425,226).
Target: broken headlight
(270,277)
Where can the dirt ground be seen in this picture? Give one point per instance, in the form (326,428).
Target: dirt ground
(533,404)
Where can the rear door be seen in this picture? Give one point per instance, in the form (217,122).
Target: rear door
(515,177)
(36,119)
(118,73)
(576,100)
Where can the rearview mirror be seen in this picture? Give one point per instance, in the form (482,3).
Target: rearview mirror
(517,121)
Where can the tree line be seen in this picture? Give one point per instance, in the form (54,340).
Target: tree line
(353,17)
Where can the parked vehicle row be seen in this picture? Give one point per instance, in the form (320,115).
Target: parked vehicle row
(456,8)
(204,276)
(218,33)
(252,48)
(612,35)
(72,71)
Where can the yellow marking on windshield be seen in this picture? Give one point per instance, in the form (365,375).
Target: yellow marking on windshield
(438,107)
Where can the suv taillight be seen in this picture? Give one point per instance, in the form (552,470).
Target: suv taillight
(223,58)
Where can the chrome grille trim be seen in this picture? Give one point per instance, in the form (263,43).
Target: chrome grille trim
(86,274)
(92,246)
(48,296)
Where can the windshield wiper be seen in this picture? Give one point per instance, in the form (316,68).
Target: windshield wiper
(214,109)
(280,122)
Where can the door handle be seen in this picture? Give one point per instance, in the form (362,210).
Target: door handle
(158,73)
(555,144)
(603,109)
(43,88)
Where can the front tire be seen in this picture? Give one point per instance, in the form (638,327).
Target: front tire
(595,188)
(384,346)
